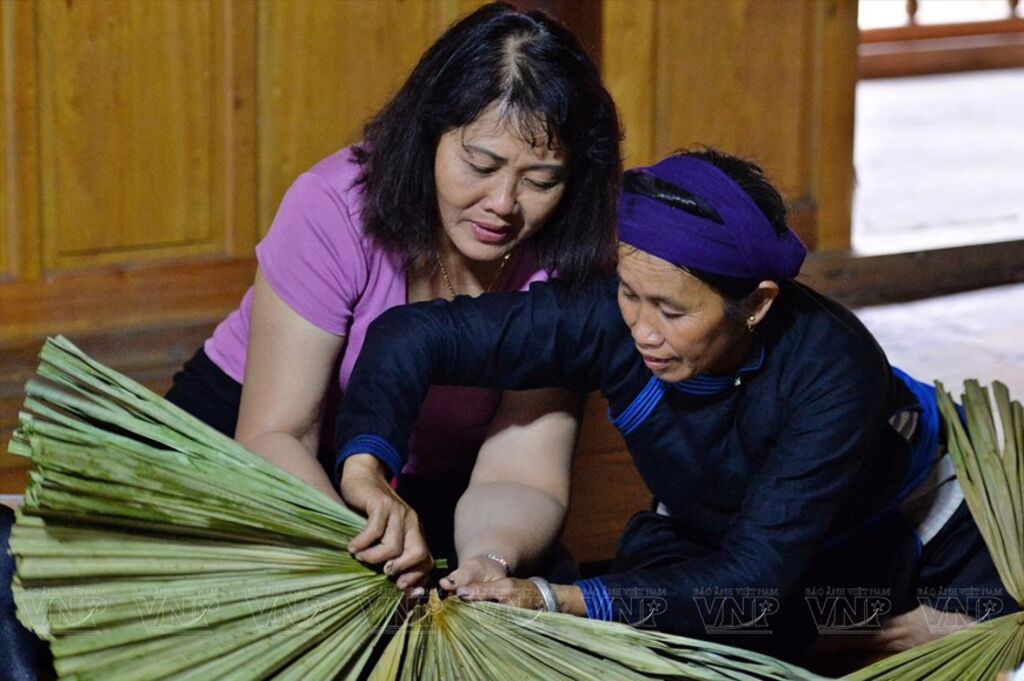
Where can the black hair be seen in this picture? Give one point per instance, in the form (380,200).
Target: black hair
(546,86)
(751,179)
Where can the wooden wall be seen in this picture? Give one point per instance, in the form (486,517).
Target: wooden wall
(771,80)
(146,144)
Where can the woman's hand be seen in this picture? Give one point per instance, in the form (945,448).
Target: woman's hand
(474,570)
(523,593)
(393,535)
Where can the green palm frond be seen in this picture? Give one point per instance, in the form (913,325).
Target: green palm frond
(988,453)
(150,546)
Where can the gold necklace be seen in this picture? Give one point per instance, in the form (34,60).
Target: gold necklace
(494,279)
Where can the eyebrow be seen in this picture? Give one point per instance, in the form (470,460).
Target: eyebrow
(553,167)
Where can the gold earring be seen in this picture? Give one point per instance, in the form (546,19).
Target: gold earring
(751,323)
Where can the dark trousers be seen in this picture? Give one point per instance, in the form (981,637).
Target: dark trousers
(21,653)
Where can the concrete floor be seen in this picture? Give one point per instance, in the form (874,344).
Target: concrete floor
(978,334)
(939,161)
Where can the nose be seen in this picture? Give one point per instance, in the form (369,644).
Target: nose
(645,332)
(503,195)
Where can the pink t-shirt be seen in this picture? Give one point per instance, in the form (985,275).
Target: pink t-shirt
(318,260)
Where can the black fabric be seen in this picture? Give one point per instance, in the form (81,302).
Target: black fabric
(956,572)
(203,389)
(22,654)
(762,478)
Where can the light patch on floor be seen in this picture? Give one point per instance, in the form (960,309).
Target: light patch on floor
(978,334)
(939,161)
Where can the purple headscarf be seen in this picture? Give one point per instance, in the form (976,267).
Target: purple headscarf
(743,245)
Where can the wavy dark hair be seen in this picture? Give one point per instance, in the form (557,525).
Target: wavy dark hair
(545,83)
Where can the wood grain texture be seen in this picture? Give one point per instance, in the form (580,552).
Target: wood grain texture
(733,75)
(606,488)
(900,59)
(765,79)
(325,68)
(150,356)
(20,210)
(122,299)
(126,100)
(832,107)
(7,246)
(629,70)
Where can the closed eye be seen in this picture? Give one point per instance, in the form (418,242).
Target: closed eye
(481,170)
(542,186)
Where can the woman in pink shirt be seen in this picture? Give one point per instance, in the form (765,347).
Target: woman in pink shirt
(494,165)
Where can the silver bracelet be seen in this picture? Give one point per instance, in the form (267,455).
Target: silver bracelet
(547,593)
(500,561)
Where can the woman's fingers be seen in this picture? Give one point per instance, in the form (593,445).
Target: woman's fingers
(390,544)
(518,592)
(472,570)
(392,535)
(414,551)
(415,575)
(376,524)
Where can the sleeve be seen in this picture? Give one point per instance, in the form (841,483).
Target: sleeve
(313,256)
(789,507)
(545,337)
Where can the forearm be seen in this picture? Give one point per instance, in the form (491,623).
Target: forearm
(291,454)
(511,520)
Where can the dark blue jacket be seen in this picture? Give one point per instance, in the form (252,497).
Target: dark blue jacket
(765,470)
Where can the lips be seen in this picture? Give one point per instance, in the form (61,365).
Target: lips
(655,363)
(491,234)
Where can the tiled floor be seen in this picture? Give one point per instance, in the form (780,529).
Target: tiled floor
(978,334)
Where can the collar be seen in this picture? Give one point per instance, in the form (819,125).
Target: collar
(706,385)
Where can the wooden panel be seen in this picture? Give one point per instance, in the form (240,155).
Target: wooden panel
(830,132)
(128,299)
(731,76)
(629,71)
(20,210)
(606,488)
(911,32)
(325,68)
(7,250)
(896,277)
(149,356)
(132,131)
(764,79)
(942,55)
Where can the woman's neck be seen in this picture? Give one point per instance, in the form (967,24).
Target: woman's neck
(449,273)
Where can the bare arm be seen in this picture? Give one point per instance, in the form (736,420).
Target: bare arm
(287,370)
(518,494)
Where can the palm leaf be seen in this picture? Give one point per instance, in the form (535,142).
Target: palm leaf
(989,469)
(151,546)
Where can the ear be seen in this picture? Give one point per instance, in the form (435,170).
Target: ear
(760,301)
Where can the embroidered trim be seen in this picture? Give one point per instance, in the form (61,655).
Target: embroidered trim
(706,385)
(641,407)
(369,444)
(596,599)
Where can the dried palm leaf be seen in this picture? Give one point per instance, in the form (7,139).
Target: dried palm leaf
(151,546)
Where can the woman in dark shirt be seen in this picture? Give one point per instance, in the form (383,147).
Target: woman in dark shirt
(794,471)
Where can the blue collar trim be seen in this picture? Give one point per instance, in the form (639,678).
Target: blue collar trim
(706,385)
(703,385)
(641,406)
